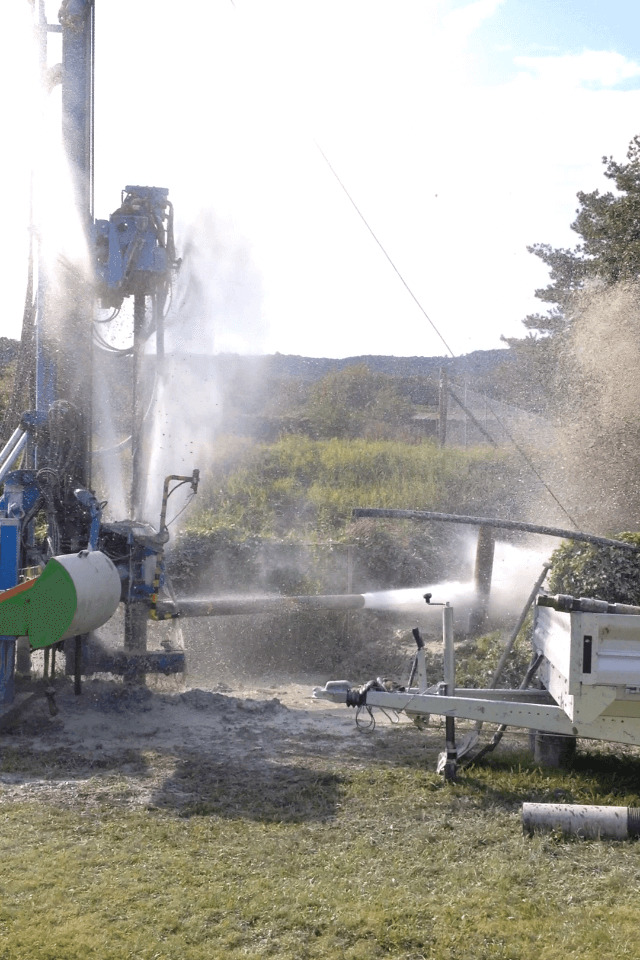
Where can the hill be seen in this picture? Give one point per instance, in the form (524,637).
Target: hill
(478,364)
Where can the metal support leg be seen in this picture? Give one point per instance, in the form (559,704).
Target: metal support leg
(23,658)
(552,751)
(485,550)
(77,665)
(136,619)
(137,412)
(450,766)
(7,670)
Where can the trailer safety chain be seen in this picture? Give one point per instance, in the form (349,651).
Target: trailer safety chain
(357,697)
(366,725)
(369,725)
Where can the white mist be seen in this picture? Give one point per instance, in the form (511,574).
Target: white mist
(515,570)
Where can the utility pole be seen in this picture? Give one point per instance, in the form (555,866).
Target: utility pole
(485,549)
(443,394)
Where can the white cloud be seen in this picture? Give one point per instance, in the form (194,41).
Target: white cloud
(604,68)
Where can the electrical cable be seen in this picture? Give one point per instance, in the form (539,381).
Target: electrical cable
(108,319)
(369,724)
(531,466)
(369,228)
(108,348)
(434,327)
(116,449)
(424,312)
(169,297)
(124,443)
(180,512)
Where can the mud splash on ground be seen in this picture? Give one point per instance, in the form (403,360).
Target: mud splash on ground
(229,747)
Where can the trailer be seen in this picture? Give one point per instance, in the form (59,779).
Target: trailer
(586,663)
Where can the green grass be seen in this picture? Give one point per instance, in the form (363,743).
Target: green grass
(322,861)
(297,486)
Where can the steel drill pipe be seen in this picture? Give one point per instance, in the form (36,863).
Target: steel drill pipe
(567,604)
(492,522)
(247,606)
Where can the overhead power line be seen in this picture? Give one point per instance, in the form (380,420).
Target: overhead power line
(522,453)
(393,266)
(433,326)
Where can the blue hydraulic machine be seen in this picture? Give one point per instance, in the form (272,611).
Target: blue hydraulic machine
(47,506)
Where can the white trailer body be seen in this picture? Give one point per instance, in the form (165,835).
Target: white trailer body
(590,674)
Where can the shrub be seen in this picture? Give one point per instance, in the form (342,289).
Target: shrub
(300,488)
(590,570)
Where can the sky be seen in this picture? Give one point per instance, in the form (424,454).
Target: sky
(460,129)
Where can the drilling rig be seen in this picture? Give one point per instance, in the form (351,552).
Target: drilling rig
(56,548)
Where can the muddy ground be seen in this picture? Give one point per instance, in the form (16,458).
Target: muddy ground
(232,723)
(143,748)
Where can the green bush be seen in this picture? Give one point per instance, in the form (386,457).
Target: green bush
(590,570)
(356,402)
(476,660)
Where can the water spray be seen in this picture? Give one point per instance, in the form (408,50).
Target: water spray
(46,463)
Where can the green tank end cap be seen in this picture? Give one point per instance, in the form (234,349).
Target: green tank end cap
(42,610)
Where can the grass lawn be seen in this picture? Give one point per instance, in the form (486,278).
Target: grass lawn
(323,861)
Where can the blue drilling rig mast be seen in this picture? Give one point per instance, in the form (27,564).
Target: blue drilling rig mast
(48,507)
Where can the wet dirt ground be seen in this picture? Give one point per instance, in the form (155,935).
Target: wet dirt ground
(139,747)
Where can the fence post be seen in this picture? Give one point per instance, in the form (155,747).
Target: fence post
(442,407)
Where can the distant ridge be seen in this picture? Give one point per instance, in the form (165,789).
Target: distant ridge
(278,366)
(479,363)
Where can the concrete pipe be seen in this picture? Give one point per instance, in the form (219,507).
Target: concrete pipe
(581,820)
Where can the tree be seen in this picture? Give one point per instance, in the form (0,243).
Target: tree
(609,252)
(354,402)
(527,376)
(591,335)
(608,225)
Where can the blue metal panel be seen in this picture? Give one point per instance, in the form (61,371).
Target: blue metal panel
(77,19)
(134,249)
(130,665)
(9,559)
(9,553)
